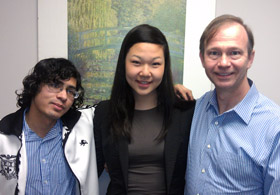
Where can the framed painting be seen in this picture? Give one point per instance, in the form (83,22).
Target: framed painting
(89,33)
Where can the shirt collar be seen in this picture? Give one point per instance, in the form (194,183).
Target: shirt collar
(212,101)
(30,135)
(244,108)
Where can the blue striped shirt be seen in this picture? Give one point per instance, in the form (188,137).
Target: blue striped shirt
(237,152)
(48,171)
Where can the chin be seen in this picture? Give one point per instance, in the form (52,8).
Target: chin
(56,116)
(225,84)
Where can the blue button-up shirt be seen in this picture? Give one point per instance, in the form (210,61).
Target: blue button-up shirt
(48,171)
(237,152)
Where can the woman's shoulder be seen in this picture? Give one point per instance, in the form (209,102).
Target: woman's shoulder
(102,105)
(183,105)
(102,108)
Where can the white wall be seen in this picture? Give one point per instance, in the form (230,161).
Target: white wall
(196,21)
(263,18)
(18,44)
(18,48)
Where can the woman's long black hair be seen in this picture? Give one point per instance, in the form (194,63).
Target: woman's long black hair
(122,100)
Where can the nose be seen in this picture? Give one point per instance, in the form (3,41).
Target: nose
(224,61)
(145,70)
(62,94)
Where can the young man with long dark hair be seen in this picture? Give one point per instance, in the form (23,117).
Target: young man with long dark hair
(47,146)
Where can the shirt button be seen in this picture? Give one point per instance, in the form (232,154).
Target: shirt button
(216,123)
(45,182)
(203,171)
(209,146)
(44,160)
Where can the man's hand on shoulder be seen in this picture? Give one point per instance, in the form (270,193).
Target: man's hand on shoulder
(183,93)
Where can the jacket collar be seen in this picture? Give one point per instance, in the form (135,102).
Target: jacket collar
(70,118)
(12,124)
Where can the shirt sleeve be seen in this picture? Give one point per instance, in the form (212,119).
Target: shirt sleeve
(272,175)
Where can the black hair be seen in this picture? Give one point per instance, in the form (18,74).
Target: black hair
(51,70)
(122,99)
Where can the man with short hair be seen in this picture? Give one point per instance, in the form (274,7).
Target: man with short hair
(47,146)
(234,145)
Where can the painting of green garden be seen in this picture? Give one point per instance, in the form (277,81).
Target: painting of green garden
(96,29)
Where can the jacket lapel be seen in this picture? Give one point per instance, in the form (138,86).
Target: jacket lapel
(69,120)
(123,155)
(172,143)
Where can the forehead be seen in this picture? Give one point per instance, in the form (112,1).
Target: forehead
(147,48)
(232,33)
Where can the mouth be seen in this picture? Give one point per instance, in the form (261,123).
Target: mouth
(58,106)
(143,84)
(223,74)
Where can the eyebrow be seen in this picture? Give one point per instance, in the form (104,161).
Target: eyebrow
(142,58)
(69,86)
(230,48)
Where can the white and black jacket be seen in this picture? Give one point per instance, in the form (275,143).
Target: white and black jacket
(78,144)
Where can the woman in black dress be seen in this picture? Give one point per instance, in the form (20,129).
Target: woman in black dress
(142,132)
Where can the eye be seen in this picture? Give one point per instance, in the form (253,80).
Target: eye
(214,54)
(55,85)
(71,92)
(135,62)
(235,54)
(156,63)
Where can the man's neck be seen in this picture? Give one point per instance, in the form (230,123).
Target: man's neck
(229,99)
(39,124)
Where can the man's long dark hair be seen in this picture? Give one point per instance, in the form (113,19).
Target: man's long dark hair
(51,70)
(122,100)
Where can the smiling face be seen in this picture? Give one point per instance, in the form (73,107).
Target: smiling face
(226,59)
(51,106)
(144,66)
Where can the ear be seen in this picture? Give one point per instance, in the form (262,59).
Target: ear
(251,59)
(201,59)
